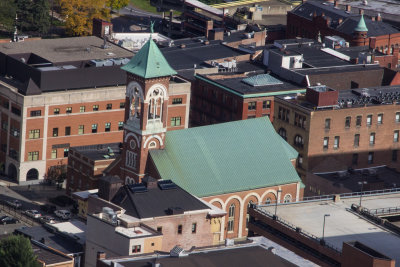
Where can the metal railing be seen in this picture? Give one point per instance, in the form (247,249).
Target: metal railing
(342,195)
(297,229)
(17,214)
(383,211)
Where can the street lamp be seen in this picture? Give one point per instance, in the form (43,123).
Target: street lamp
(362,183)
(323,227)
(276,202)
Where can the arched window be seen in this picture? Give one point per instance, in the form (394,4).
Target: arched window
(32,174)
(287,198)
(231,217)
(282,133)
(152,144)
(299,141)
(156,103)
(248,216)
(268,200)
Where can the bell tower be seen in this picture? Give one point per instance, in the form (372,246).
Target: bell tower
(360,33)
(146,109)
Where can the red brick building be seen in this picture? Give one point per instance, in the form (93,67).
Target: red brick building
(326,18)
(208,162)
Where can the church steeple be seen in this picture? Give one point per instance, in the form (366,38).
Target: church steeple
(148,75)
(360,33)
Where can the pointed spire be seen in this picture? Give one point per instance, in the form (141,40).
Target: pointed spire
(319,39)
(361,26)
(149,62)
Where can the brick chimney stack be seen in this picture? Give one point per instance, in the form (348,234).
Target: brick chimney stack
(361,11)
(379,17)
(348,8)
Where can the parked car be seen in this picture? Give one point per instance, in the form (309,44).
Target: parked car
(15,203)
(33,213)
(47,219)
(48,208)
(7,220)
(63,214)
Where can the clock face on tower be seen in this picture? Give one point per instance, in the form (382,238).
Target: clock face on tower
(132,144)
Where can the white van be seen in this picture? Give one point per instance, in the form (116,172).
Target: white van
(63,214)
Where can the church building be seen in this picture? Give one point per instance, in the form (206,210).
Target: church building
(229,165)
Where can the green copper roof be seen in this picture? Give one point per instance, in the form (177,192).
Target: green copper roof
(149,62)
(226,157)
(261,80)
(361,27)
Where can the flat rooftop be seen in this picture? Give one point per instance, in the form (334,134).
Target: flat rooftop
(354,98)
(67,49)
(196,53)
(254,83)
(384,176)
(337,69)
(99,152)
(342,225)
(49,256)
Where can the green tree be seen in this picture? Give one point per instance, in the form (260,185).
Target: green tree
(16,251)
(40,16)
(117,4)
(7,15)
(57,173)
(25,16)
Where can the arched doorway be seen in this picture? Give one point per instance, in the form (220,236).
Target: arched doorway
(12,171)
(32,174)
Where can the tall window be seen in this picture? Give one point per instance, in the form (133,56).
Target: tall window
(380,118)
(356,140)
(370,157)
(231,217)
(95,107)
(282,133)
(56,111)
(397,117)
(34,134)
(55,132)
(194,228)
(34,155)
(299,120)
(120,125)
(136,248)
(81,129)
(180,229)
(109,106)
(336,142)
(248,216)
(372,139)
(369,120)
(175,121)
(66,150)
(300,161)
(299,141)
(266,104)
(396,136)
(122,105)
(347,122)
(82,109)
(358,121)
(67,130)
(251,106)
(326,142)
(354,160)
(54,153)
(327,124)
(107,127)
(68,110)
(94,128)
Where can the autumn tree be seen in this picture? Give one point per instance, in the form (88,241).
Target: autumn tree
(79,14)
(117,4)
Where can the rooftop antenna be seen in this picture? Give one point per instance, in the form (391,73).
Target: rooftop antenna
(319,37)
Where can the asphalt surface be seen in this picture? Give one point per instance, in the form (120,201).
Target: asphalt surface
(129,16)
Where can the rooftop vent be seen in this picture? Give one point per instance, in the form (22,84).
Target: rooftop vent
(166,185)
(109,215)
(137,188)
(177,251)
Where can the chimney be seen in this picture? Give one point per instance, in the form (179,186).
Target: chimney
(108,187)
(361,11)
(373,18)
(378,17)
(335,3)
(149,182)
(101,255)
(372,43)
(348,8)
(340,20)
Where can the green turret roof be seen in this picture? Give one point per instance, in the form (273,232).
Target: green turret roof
(361,27)
(149,62)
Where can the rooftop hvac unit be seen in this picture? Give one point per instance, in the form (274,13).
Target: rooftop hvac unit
(97,62)
(108,63)
(125,61)
(117,61)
